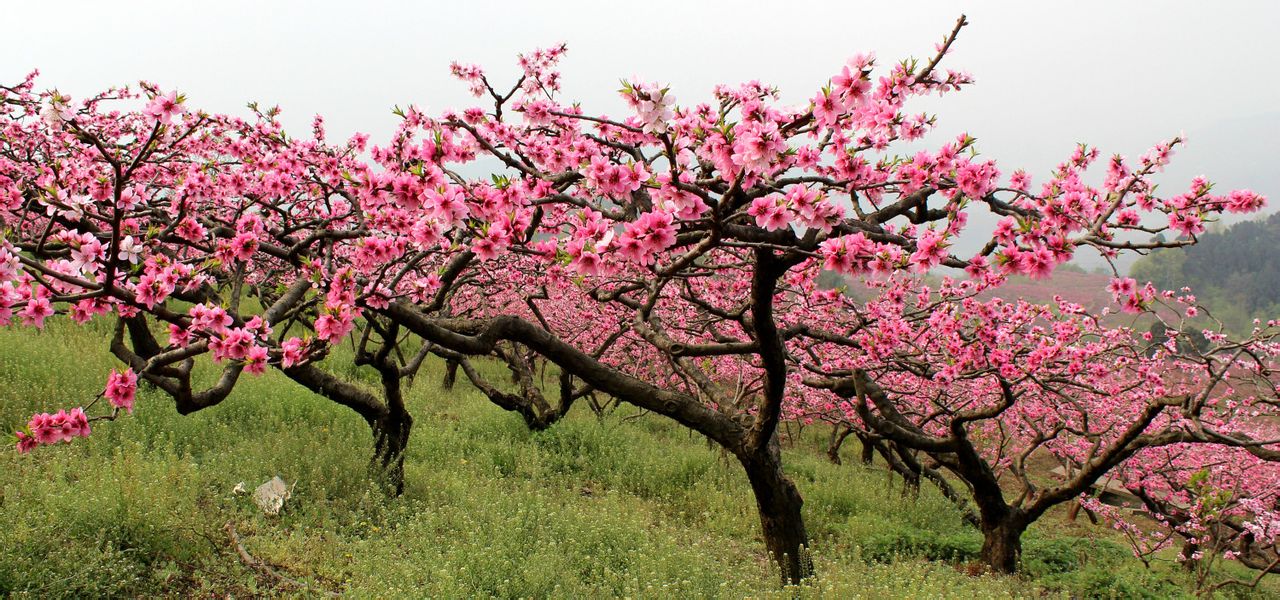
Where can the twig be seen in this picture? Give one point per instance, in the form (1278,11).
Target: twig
(264,568)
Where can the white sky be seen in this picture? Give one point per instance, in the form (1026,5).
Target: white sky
(1120,76)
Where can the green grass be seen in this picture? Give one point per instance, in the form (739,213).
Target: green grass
(589,508)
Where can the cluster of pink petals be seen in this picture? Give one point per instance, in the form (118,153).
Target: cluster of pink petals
(121,389)
(49,429)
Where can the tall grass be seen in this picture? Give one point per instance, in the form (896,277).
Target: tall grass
(589,508)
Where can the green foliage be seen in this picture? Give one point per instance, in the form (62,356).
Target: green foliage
(1093,568)
(1232,270)
(634,507)
(892,542)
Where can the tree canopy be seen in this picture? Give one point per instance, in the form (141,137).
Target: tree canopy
(668,258)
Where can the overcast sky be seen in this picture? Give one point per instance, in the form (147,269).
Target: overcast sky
(1120,76)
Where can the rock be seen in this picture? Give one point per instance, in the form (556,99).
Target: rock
(271,495)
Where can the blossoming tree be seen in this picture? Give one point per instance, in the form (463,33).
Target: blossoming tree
(994,392)
(1219,501)
(667,258)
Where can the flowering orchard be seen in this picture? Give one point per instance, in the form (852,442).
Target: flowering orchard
(667,258)
(990,391)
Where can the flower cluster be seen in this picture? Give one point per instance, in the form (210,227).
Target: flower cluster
(49,429)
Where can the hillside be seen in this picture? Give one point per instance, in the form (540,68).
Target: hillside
(1087,289)
(620,506)
(1233,270)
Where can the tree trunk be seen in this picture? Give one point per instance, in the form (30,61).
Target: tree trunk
(1002,545)
(450,375)
(391,437)
(838,434)
(868,449)
(906,465)
(781,520)
(1189,562)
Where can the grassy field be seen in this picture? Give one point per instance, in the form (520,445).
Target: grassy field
(590,508)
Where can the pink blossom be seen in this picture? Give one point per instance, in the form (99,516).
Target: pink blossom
(164,108)
(25,442)
(36,311)
(234,344)
(848,255)
(1243,201)
(293,352)
(121,389)
(931,250)
(255,360)
(771,212)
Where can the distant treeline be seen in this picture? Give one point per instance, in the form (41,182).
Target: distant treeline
(1234,271)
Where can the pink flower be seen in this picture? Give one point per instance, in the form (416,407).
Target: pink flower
(191,230)
(25,442)
(178,336)
(42,428)
(652,105)
(79,423)
(1005,229)
(1132,304)
(164,108)
(332,327)
(651,233)
(1241,201)
(293,352)
(850,84)
(121,389)
(756,145)
(36,311)
(59,427)
(827,108)
(234,345)
(978,266)
(848,255)
(1121,287)
(1186,223)
(587,263)
(1020,180)
(48,429)
(495,241)
(258,326)
(153,289)
(209,318)
(1036,264)
(771,212)
(931,250)
(447,205)
(255,360)
(243,246)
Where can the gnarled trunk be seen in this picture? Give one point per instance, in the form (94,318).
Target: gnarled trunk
(450,375)
(388,420)
(781,520)
(838,434)
(391,437)
(868,454)
(1189,551)
(1002,544)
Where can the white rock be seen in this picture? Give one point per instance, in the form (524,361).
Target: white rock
(271,495)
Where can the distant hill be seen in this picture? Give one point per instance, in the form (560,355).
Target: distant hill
(1086,289)
(1235,271)
(1070,282)
(1234,152)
